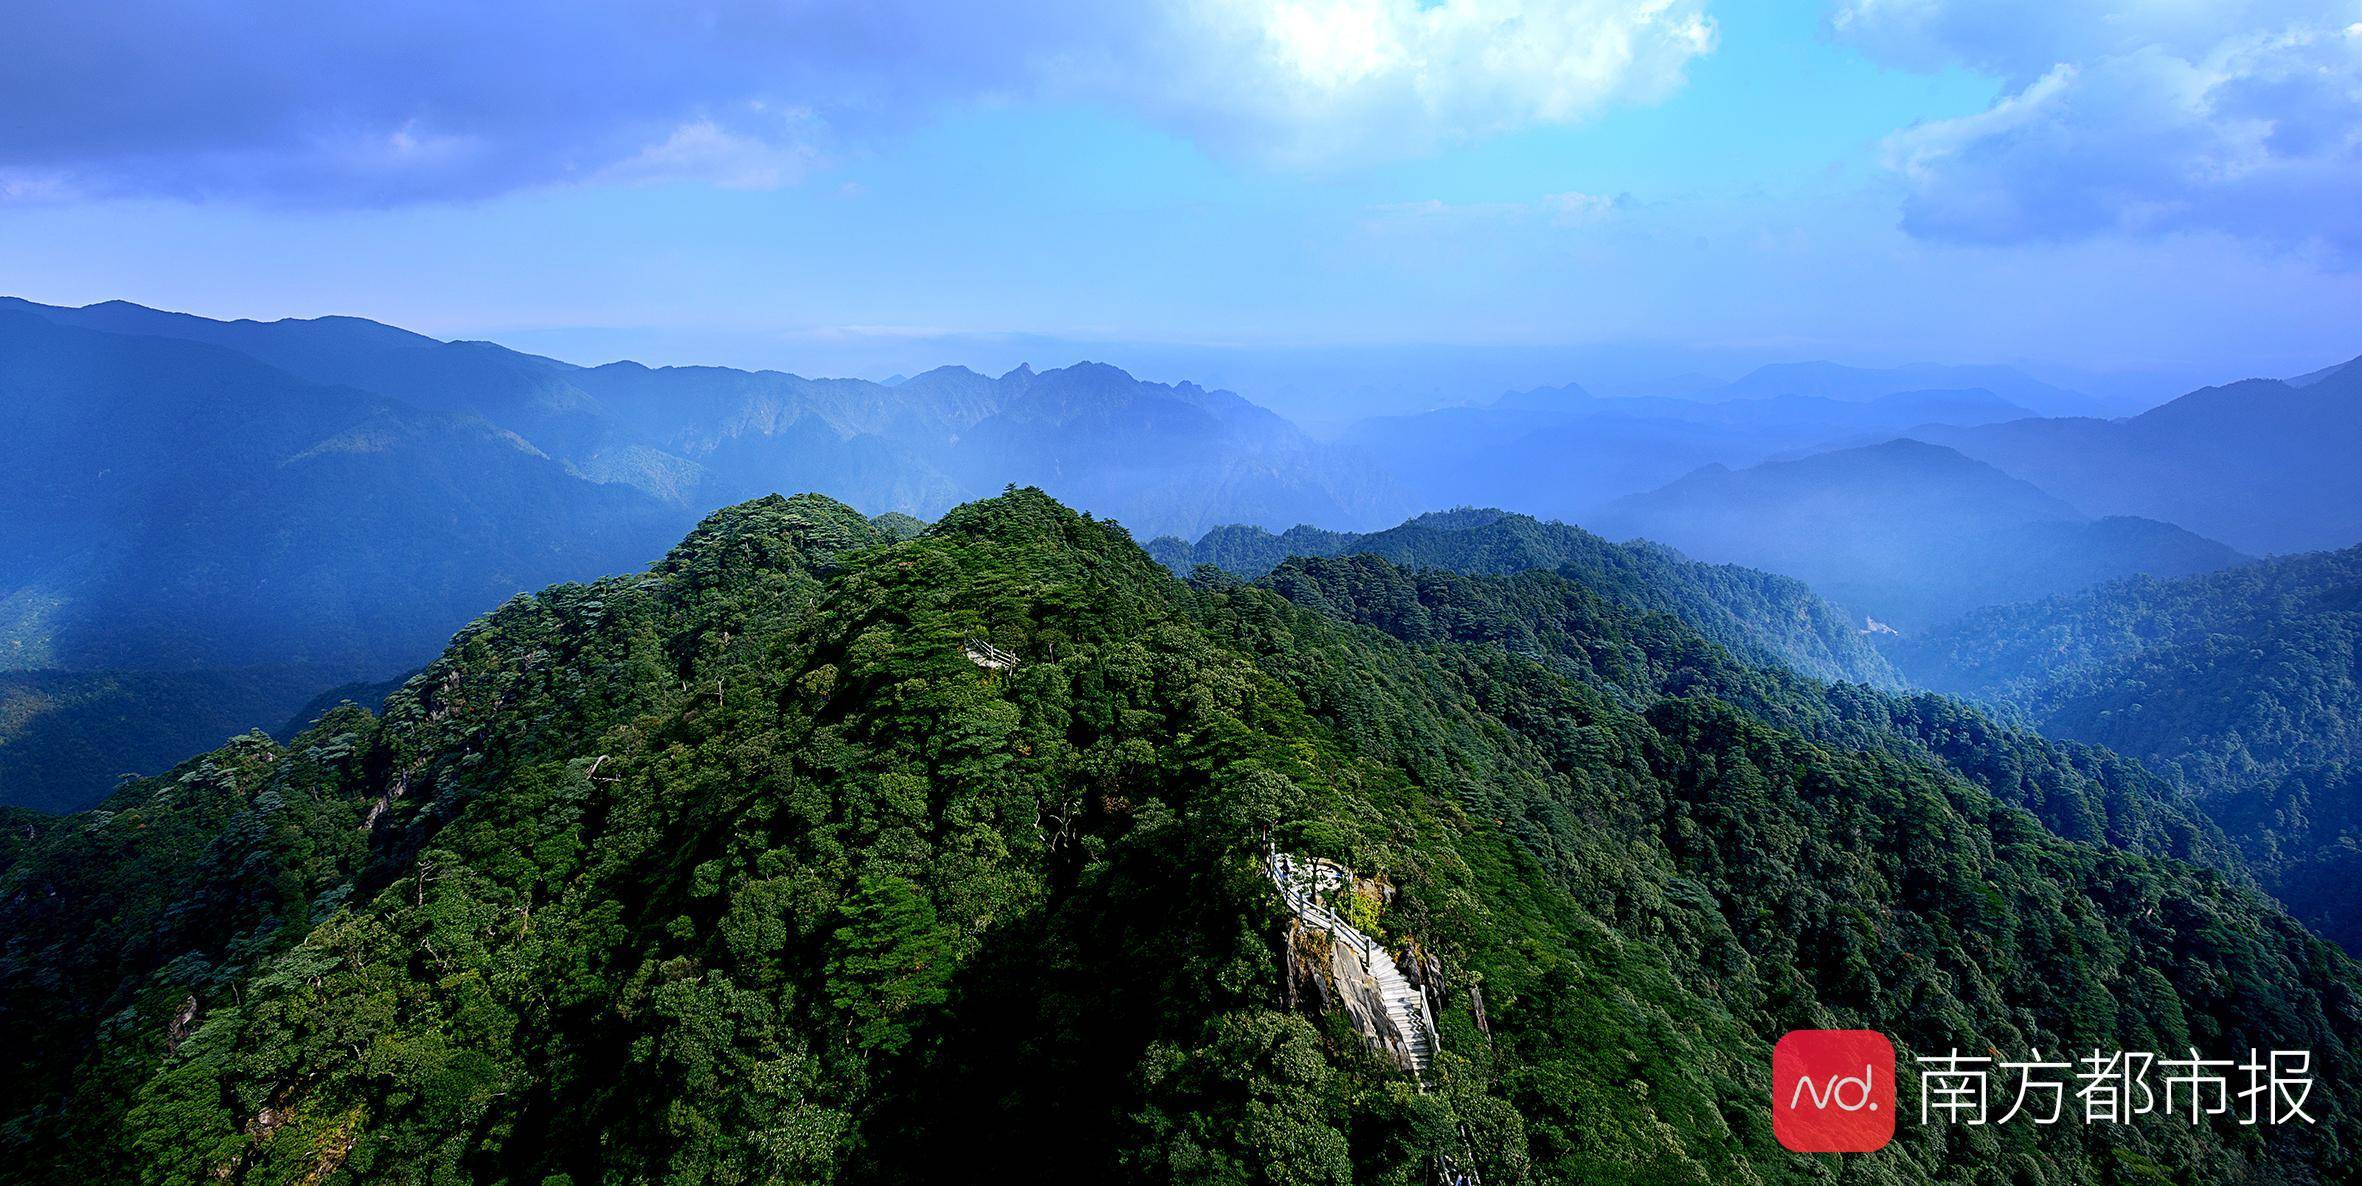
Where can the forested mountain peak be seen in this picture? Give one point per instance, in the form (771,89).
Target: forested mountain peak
(774,534)
(763,833)
(758,833)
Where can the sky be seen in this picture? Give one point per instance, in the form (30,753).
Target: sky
(1334,206)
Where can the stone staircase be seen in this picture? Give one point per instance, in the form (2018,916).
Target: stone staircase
(1303,882)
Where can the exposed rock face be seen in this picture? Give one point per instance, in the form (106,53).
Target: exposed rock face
(179,1027)
(1327,974)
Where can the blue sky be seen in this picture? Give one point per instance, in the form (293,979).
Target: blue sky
(1330,204)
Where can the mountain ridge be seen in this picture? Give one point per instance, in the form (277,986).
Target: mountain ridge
(621,422)
(2260,464)
(195,499)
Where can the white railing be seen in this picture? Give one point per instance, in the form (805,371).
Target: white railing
(984,654)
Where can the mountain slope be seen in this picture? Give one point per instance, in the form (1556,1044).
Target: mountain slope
(68,737)
(526,394)
(1767,618)
(175,506)
(1908,532)
(187,502)
(744,870)
(2244,687)
(196,543)
(2311,377)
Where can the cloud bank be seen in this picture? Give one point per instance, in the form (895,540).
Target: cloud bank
(2138,119)
(338,104)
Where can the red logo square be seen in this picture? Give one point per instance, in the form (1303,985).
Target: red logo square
(1833,1091)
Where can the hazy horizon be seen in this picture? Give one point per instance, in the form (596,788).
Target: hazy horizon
(1321,385)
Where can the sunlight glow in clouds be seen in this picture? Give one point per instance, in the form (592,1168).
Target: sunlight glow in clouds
(1324,81)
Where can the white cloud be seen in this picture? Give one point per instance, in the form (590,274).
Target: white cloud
(2238,118)
(36,185)
(2022,39)
(702,150)
(1575,208)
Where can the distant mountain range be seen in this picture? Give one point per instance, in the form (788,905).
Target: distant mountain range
(1563,451)
(176,505)
(1835,381)
(2265,465)
(1803,415)
(1158,457)
(1908,532)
